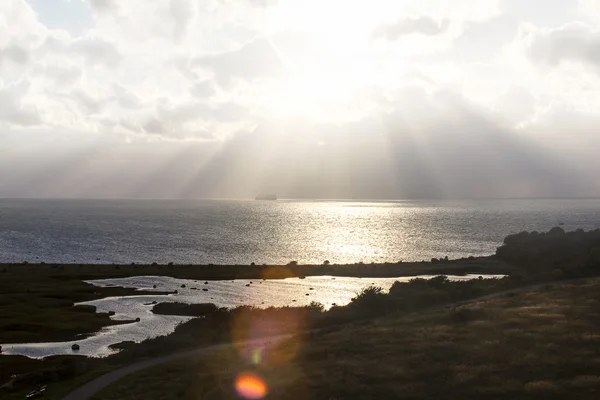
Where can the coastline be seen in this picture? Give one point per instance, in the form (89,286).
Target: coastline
(488,264)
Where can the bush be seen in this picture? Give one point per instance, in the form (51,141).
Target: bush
(372,299)
(315,306)
(535,252)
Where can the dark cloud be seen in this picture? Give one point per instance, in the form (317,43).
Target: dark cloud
(256,59)
(572,42)
(408,26)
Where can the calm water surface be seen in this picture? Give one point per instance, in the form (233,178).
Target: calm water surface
(241,232)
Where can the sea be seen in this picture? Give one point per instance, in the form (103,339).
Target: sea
(241,232)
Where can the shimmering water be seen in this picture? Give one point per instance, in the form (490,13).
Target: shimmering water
(287,292)
(241,232)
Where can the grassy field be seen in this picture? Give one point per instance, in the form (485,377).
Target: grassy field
(539,344)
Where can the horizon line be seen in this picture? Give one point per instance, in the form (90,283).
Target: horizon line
(312,198)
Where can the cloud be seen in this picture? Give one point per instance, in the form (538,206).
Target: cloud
(222,98)
(192,120)
(255,59)
(263,3)
(96,51)
(126,98)
(461,151)
(15,53)
(103,6)
(14,110)
(420,25)
(63,76)
(90,104)
(517,105)
(202,90)
(589,9)
(254,3)
(571,42)
(182,13)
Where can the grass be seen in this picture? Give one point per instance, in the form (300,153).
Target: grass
(539,344)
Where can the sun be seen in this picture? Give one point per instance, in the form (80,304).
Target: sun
(325,48)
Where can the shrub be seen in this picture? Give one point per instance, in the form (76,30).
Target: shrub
(316,307)
(372,300)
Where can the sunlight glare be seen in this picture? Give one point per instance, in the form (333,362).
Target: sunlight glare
(328,57)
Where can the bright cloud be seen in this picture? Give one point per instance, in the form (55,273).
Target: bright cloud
(457,90)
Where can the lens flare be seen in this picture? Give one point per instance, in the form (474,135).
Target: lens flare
(250,386)
(257,355)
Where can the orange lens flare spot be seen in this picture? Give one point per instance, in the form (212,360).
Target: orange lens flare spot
(250,386)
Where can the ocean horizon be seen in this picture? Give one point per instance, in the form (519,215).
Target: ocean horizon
(244,231)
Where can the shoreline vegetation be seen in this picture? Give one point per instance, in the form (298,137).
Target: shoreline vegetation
(36,302)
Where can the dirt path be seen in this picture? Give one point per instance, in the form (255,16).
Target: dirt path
(93,387)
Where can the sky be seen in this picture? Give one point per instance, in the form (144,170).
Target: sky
(332,99)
